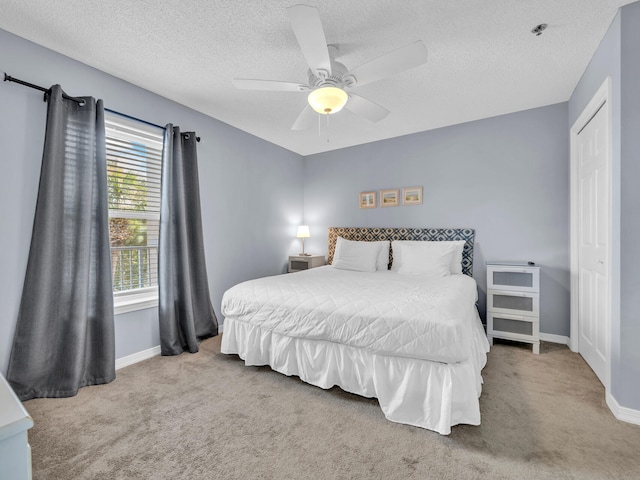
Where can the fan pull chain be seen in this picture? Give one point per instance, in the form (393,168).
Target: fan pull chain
(320,126)
(327,128)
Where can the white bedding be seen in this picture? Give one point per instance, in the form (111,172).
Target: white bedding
(414,342)
(431,318)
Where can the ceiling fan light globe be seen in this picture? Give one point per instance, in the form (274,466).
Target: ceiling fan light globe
(327,100)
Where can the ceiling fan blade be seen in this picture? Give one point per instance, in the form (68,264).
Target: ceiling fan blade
(308,30)
(305,120)
(365,108)
(390,64)
(270,85)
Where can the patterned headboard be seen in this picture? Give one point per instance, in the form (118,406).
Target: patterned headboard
(371,234)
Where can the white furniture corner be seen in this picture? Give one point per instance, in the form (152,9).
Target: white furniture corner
(513,302)
(15,452)
(298,263)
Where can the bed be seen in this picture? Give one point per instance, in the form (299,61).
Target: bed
(408,335)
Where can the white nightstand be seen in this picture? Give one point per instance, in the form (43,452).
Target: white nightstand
(15,452)
(298,263)
(513,302)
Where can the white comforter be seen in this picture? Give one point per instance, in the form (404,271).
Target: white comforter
(382,312)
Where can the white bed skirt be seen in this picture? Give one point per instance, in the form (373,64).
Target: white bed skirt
(422,393)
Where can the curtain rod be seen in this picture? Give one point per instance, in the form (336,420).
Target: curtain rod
(8,78)
(139,120)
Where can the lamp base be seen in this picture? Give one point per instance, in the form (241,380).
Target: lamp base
(304,254)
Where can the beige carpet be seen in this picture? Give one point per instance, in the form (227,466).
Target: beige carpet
(207,416)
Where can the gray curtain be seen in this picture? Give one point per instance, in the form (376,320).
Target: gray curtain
(64,335)
(186,314)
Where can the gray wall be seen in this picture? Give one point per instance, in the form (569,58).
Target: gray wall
(617,57)
(252,197)
(627,390)
(506,176)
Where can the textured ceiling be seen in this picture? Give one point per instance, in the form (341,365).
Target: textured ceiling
(483,59)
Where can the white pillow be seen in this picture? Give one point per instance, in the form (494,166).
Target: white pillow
(382,262)
(429,258)
(359,256)
(456,259)
(383,257)
(426,261)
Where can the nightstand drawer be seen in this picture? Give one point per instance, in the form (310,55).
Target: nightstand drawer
(298,265)
(513,327)
(520,279)
(518,324)
(514,303)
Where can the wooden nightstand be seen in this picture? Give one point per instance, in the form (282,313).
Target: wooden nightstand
(513,302)
(298,263)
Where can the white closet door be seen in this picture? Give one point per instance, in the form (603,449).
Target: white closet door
(593,245)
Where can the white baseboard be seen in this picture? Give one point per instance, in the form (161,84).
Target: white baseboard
(137,357)
(145,354)
(624,414)
(550,337)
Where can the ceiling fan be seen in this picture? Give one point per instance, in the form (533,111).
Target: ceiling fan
(330,82)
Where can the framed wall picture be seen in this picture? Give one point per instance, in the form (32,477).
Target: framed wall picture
(412,196)
(389,198)
(368,200)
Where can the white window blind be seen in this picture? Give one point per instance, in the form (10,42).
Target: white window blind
(134,162)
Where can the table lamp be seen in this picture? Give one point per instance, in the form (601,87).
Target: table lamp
(303,232)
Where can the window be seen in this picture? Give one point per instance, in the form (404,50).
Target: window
(134,162)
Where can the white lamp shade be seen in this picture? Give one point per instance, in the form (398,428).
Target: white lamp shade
(327,100)
(303,232)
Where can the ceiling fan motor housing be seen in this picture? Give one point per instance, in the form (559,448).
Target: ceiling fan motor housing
(335,79)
